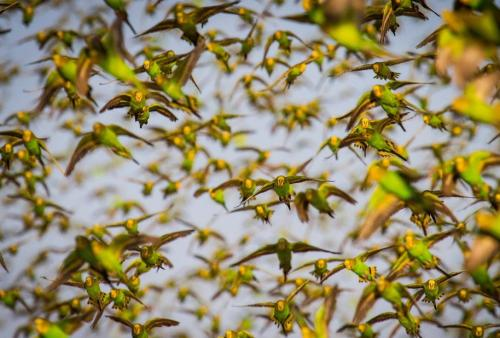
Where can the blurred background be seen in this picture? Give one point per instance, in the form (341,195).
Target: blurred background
(101,181)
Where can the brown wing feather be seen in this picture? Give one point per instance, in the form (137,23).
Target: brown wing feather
(86,145)
(266,250)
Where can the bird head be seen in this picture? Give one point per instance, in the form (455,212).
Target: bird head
(97,127)
(478,331)
(27,135)
(377,91)
(137,329)
(349,263)
(282,244)
(41,325)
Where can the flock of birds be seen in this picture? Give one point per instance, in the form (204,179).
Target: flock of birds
(101,277)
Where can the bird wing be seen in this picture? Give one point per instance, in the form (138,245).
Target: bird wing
(163,111)
(164,239)
(86,145)
(304,247)
(122,131)
(121,320)
(265,250)
(159,322)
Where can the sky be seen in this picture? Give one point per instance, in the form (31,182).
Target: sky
(336,96)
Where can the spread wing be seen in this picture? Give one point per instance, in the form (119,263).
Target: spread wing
(86,145)
(265,250)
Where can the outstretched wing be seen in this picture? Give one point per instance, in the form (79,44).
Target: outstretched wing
(265,250)
(304,247)
(330,189)
(159,322)
(86,145)
(122,131)
(163,111)
(121,320)
(162,240)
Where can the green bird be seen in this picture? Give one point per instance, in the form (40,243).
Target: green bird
(106,50)
(217,195)
(11,297)
(186,21)
(476,107)
(488,224)
(383,96)
(38,203)
(469,169)
(475,331)
(33,144)
(464,295)
(102,136)
(294,72)
(283,249)
(238,334)
(405,319)
(46,329)
(391,10)
(282,186)
(357,265)
(365,329)
(431,289)
(381,69)
(283,312)
(102,258)
(320,267)
(121,298)
(246,186)
(422,204)
(120,8)
(284,40)
(418,249)
(138,108)
(370,133)
(347,34)
(93,288)
(318,198)
(151,257)
(435,120)
(131,225)
(263,211)
(63,328)
(144,330)
(393,292)
(333,143)
(482,278)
